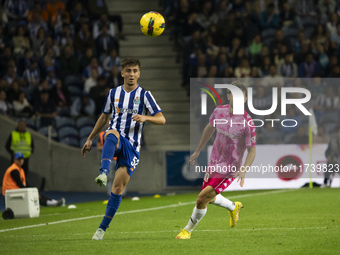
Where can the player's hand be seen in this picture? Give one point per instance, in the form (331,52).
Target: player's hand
(193,157)
(139,118)
(241,176)
(87,147)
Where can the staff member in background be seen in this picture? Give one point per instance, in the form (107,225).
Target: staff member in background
(15,178)
(20,140)
(333,159)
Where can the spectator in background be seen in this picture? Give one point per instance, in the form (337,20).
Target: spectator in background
(83,39)
(211,49)
(335,38)
(53,8)
(111,60)
(269,19)
(99,93)
(5,106)
(222,64)
(16,9)
(37,8)
(115,79)
(22,108)
(98,26)
(320,36)
(207,17)
(21,43)
(300,137)
(304,8)
(270,135)
(104,42)
(308,68)
(291,114)
(20,140)
(287,68)
(273,79)
(323,58)
(61,96)
(5,57)
(77,12)
(45,109)
(256,47)
(93,65)
(13,92)
(332,23)
(51,77)
(91,81)
(326,8)
(321,136)
(327,102)
(261,101)
(316,87)
(287,15)
(38,41)
(68,63)
(301,56)
(83,106)
(4,41)
(85,59)
(32,74)
(35,24)
(243,70)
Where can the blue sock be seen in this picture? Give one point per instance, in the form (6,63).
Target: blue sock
(111,209)
(108,151)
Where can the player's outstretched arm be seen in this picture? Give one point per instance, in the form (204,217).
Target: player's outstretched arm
(251,152)
(101,122)
(157,119)
(207,133)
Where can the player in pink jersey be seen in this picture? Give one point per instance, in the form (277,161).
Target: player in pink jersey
(235,134)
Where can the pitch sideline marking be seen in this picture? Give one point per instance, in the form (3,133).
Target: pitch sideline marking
(136,211)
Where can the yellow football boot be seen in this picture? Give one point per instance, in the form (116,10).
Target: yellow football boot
(234,214)
(183,235)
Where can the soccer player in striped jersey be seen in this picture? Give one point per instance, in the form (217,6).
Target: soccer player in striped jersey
(229,146)
(128,105)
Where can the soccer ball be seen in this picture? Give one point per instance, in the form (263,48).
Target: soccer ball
(152,24)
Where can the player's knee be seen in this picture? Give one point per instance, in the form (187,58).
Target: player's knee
(201,202)
(114,132)
(118,189)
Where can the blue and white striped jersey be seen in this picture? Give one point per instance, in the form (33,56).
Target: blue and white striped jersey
(123,105)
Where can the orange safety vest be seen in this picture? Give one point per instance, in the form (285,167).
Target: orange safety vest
(102,141)
(8,182)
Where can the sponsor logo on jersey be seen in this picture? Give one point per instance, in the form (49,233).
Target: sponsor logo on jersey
(136,100)
(117,100)
(253,139)
(126,110)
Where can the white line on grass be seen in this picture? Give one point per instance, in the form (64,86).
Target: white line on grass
(172,231)
(137,211)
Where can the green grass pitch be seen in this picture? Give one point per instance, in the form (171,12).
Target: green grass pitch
(304,221)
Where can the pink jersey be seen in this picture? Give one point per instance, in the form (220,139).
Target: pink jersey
(233,136)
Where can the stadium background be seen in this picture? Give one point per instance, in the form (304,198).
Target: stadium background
(225,39)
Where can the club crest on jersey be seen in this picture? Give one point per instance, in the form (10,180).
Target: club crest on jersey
(136,100)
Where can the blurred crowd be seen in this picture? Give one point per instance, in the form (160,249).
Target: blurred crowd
(57,59)
(292,43)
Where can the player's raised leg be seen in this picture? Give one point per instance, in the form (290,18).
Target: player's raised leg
(204,198)
(111,142)
(121,179)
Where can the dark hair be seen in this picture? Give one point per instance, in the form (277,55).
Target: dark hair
(130,62)
(241,85)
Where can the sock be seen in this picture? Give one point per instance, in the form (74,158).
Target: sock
(109,148)
(197,215)
(224,202)
(51,202)
(111,209)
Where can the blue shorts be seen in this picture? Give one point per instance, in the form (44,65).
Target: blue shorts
(126,155)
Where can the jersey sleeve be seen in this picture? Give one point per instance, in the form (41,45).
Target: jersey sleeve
(151,104)
(107,108)
(250,132)
(213,117)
